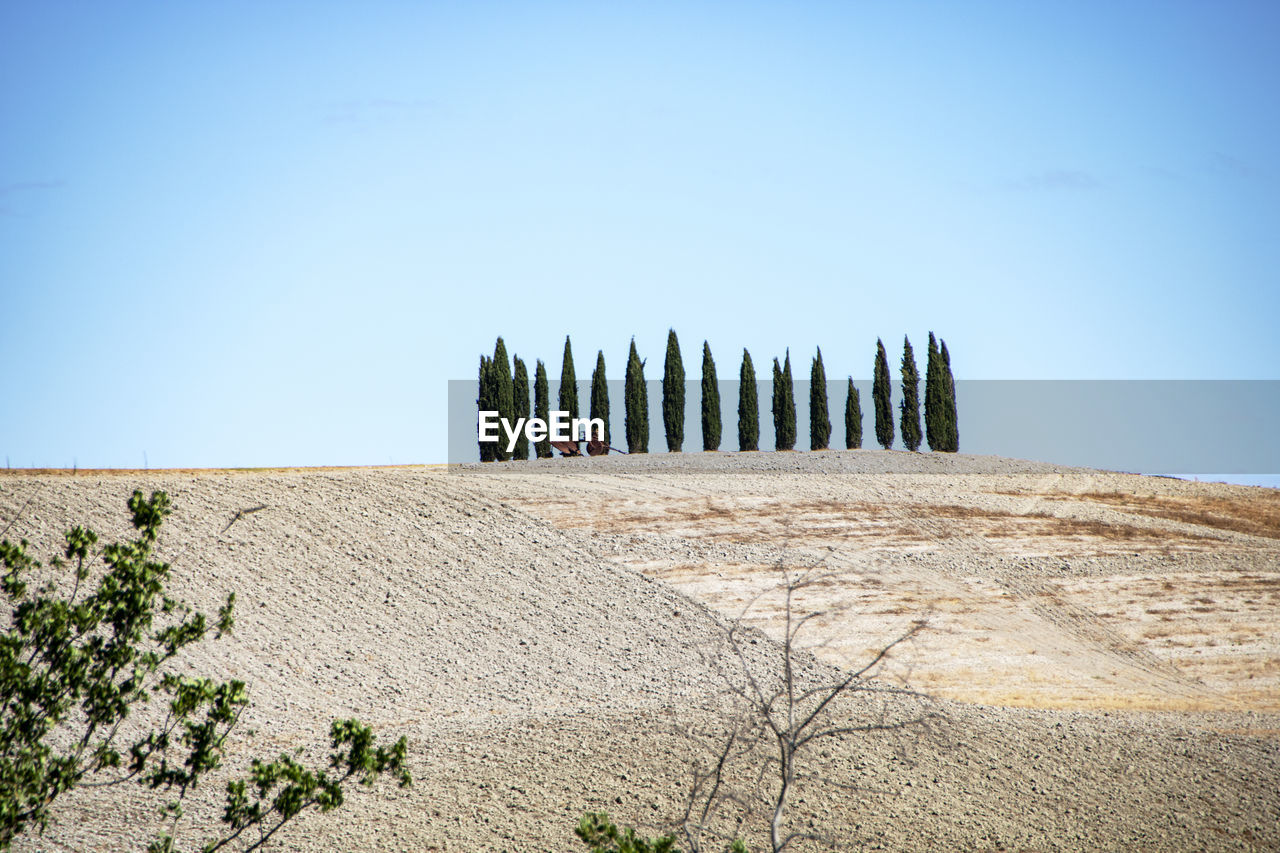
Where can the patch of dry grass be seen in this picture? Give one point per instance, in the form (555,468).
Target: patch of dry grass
(904,524)
(1255,514)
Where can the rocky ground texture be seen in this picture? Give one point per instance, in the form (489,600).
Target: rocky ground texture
(1102,648)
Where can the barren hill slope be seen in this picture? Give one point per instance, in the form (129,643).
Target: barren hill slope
(1045,586)
(538,675)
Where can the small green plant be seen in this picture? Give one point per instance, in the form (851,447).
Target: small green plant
(600,834)
(74,664)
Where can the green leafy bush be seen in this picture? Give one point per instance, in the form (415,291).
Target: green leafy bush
(74,664)
(600,834)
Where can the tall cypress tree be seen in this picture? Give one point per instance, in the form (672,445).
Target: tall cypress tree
(949,407)
(880,390)
(541,407)
(934,398)
(852,419)
(487,401)
(784,406)
(505,394)
(637,403)
(600,395)
(568,383)
(710,401)
(910,398)
(520,394)
(775,406)
(673,394)
(819,416)
(789,402)
(748,406)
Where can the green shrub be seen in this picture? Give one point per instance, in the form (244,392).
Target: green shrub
(74,665)
(600,833)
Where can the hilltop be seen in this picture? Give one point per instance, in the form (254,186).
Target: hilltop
(1102,645)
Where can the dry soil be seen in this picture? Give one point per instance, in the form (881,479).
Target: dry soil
(1102,648)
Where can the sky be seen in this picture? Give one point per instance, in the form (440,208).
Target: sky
(243,234)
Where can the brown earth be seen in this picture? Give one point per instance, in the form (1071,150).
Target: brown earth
(1103,646)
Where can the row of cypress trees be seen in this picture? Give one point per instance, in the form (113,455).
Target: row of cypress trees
(506,391)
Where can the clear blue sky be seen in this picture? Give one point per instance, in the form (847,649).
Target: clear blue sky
(245,234)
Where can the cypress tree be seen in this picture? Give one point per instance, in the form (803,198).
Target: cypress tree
(541,407)
(852,419)
(949,403)
(637,403)
(520,394)
(934,398)
(600,395)
(789,402)
(880,391)
(673,394)
(910,398)
(501,368)
(486,401)
(710,401)
(568,383)
(819,417)
(748,406)
(775,406)
(784,406)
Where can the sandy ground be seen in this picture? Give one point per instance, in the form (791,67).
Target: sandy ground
(1051,589)
(1103,647)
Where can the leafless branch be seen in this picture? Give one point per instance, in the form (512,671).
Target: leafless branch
(780,705)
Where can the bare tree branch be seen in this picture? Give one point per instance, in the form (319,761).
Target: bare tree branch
(786,705)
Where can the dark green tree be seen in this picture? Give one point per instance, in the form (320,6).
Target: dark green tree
(568,383)
(910,403)
(501,367)
(541,407)
(600,395)
(935,397)
(748,406)
(710,401)
(487,401)
(520,393)
(673,394)
(784,406)
(76,658)
(881,388)
(637,403)
(852,418)
(775,406)
(949,404)
(819,416)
